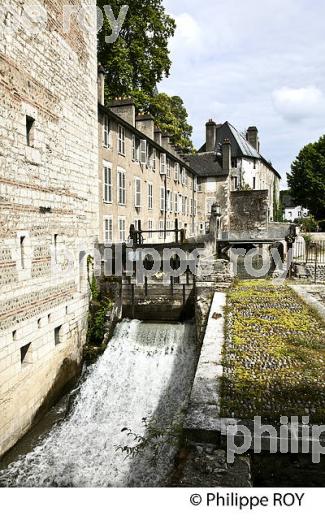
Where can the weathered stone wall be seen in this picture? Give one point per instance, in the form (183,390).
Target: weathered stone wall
(249,212)
(48,196)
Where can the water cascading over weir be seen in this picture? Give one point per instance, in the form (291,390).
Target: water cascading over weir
(144,378)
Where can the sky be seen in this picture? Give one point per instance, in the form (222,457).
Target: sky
(252,62)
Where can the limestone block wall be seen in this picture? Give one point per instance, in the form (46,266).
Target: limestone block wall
(48,207)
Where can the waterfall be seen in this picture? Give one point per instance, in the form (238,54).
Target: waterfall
(146,372)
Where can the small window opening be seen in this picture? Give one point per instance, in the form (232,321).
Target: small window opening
(57,335)
(22,251)
(25,354)
(30,130)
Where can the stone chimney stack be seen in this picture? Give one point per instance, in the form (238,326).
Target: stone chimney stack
(158,136)
(145,123)
(101,84)
(124,108)
(226,157)
(252,137)
(211,136)
(165,141)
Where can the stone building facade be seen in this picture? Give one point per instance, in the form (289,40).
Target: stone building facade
(48,207)
(230,162)
(143,181)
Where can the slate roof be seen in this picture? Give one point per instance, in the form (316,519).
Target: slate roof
(247,149)
(240,147)
(206,164)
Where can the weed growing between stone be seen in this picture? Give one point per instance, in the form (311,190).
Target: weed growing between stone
(274,355)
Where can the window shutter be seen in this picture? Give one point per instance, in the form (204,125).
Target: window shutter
(143,151)
(163,164)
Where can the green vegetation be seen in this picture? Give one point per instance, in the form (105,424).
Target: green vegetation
(307,178)
(98,309)
(139,60)
(274,356)
(170,116)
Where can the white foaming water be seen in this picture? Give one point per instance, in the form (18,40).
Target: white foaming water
(146,371)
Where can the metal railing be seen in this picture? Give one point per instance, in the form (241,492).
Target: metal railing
(309,252)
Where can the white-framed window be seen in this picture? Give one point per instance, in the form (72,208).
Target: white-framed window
(150,195)
(108,229)
(106,132)
(176,169)
(161,229)
(168,225)
(135,149)
(162,163)
(171,201)
(187,209)
(176,203)
(150,228)
(183,176)
(121,140)
(180,203)
(137,224)
(162,199)
(195,185)
(122,229)
(107,183)
(121,187)
(137,192)
(153,159)
(168,200)
(143,151)
(183,206)
(168,167)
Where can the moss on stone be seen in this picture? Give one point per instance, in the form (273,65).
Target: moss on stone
(274,355)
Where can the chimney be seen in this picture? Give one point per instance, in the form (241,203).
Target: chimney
(165,141)
(145,123)
(124,108)
(226,157)
(101,84)
(211,136)
(252,137)
(158,136)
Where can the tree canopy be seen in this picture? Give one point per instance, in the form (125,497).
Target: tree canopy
(139,58)
(170,116)
(138,61)
(307,178)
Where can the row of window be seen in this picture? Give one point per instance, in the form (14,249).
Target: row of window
(173,202)
(122,236)
(26,350)
(147,155)
(177,203)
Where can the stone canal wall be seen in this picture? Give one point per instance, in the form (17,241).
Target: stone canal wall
(48,207)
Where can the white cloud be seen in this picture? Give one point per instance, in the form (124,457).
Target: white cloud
(236,60)
(295,104)
(188,34)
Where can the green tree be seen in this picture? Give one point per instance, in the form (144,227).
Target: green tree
(139,58)
(170,116)
(307,178)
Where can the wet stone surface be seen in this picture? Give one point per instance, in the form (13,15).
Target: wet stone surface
(205,465)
